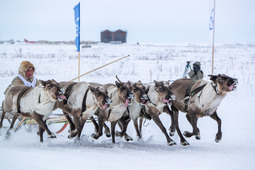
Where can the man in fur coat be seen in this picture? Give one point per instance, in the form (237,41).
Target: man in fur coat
(26,76)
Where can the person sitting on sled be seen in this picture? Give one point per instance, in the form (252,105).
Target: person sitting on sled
(25,76)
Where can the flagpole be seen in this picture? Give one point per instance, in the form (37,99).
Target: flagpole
(79,63)
(213,36)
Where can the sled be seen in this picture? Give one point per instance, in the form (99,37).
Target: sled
(30,123)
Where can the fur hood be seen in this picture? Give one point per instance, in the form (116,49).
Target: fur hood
(24,65)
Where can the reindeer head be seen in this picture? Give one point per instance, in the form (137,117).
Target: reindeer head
(163,89)
(138,90)
(52,89)
(101,95)
(224,83)
(124,91)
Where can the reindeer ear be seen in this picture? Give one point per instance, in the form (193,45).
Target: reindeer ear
(92,88)
(43,83)
(117,84)
(156,83)
(213,77)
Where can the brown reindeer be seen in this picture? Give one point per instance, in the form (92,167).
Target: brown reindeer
(121,97)
(199,99)
(134,111)
(83,101)
(36,103)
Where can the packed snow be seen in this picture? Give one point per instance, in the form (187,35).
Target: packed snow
(147,62)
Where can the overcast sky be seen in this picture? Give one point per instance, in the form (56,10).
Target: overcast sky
(144,20)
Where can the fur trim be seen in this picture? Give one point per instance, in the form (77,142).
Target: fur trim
(24,65)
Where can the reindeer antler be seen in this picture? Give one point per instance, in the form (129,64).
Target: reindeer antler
(118,79)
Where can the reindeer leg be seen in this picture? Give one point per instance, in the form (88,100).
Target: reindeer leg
(2,117)
(43,125)
(138,133)
(113,125)
(219,133)
(193,121)
(140,125)
(70,121)
(176,122)
(155,116)
(82,123)
(94,123)
(107,130)
(123,123)
(40,133)
(15,116)
(76,117)
(172,126)
(99,127)
(189,134)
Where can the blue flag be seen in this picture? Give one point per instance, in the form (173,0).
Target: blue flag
(211,20)
(77,24)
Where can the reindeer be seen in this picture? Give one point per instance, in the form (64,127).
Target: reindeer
(199,99)
(134,111)
(121,97)
(159,96)
(36,103)
(83,101)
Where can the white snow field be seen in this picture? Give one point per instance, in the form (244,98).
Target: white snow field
(147,62)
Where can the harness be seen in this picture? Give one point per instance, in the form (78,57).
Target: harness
(84,107)
(19,97)
(189,94)
(68,91)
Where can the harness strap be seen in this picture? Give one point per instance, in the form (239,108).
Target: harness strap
(195,91)
(19,97)
(84,107)
(189,94)
(146,92)
(144,114)
(69,89)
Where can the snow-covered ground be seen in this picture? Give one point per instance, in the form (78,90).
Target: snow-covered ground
(147,62)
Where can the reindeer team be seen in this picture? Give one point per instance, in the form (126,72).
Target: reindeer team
(120,103)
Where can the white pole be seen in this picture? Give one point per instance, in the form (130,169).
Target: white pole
(213,36)
(79,66)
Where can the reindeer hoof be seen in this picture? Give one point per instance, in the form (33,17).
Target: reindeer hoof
(95,136)
(187,134)
(198,137)
(171,143)
(128,139)
(52,136)
(71,136)
(185,143)
(171,133)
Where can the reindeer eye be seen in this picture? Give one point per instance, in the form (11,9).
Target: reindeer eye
(97,94)
(134,89)
(160,89)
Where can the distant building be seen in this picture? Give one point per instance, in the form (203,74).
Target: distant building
(116,36)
